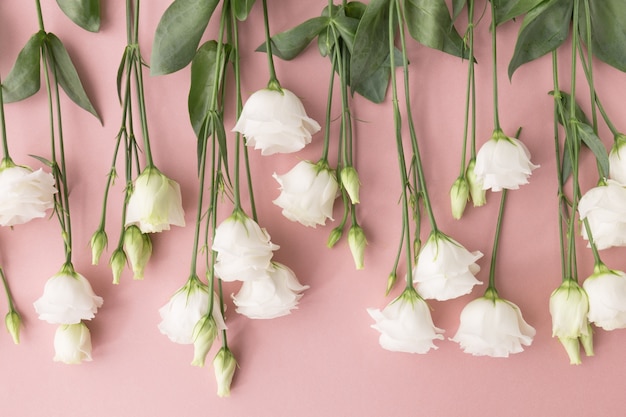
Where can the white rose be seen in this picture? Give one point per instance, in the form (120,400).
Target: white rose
(67,298)
(617,160)
(24,194)
(607,298)
(308,193)
(275,122)
(604,207)
(270,296)
(185,308)
(72,344)
(503,162)
(445,269)
(406,325)
(244,250)
(492,326)
(155,203)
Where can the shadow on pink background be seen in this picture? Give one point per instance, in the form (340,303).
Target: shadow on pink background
(324,359)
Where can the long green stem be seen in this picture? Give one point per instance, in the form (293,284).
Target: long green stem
(273,83)
(7,290)
(39,15)
(470,81)
(3,129)
(496,243)
(494,59)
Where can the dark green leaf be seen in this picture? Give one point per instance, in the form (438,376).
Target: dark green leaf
(374,88)
(371,45)
(608,31)
(242,8)
(457,7)
(288,45)
(85,13)
(354,9)
(346,27)
(565,106)
(430,24)
(24,79)
(544,29)
(178,34)
(510,9)
(325,41)
(593,142)
(66,74)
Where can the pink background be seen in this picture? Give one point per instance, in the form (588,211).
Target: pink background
(324,359)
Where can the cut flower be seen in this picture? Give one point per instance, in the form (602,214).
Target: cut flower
(275,121)
(155,202)
(406,325)
(606,289)
(503,162)
(604,208)
(445,269)
(72,344)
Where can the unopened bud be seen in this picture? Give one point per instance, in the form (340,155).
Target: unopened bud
(357,243)
(118,262)
(459,194)
(204,333)
(98,243)
(138,247)
(13,323)
(350,182)
(224,365)
(477,193)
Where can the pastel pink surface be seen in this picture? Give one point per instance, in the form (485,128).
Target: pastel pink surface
(324,359)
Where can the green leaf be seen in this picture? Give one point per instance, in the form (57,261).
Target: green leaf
(178,34)
(242,8)
(66,74)
(593,142)
(288,45)
(85,13)
(457,7)
(510,9)
(24,79)
(346,27)
(608,31)
(371,45)
(430,24)
(544,29)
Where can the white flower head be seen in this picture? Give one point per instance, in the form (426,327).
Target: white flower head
(275,121)
(244,250)
(72,344)
(492,326)
(445,269)
(270,296)
(405,324)
(24,194)
(617,160)
(607,298)
(67,298)
(604,208)
(155,202)
(308,193)
(185,308)
(503,162)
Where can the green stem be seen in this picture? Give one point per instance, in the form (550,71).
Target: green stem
(7,290)
(494,58)
(3,129)
(39,15)
(273,83)
(496,242)
(589,70)
(470,81)
(329,104)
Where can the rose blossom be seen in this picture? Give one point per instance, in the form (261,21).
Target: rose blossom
(308,193)
(244,250)
(155,202)
(275,121)
(406,325)
(67,298)
(607,298)
(445,269)
(24,194)
(270,296)
(503,162)
(492,326)
(185,309)
(604,207)
(72,344)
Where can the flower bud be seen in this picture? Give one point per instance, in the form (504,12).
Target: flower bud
(357,243)
(572,347)
(334,237)
(13,322)
(350,182)
(587,341)
(391,281)
(459,194)
(478,195)
(224,365)
(98,243)
(118,262)
(204,334)
(138,247)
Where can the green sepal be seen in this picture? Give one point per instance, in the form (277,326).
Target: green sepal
(24,79)
(178,34)
(430,24)
(543,30)
(85,13)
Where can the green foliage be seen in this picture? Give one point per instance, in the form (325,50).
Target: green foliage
(85,13)
(289,44)
(608,30)
(178,34)
(242,8)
